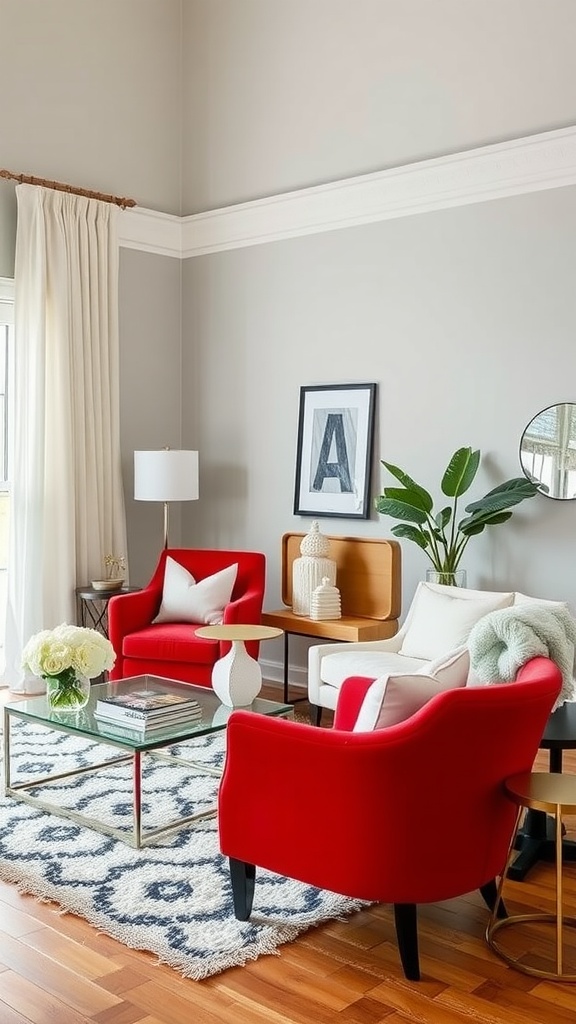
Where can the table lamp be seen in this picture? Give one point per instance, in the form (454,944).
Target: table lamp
(166,475)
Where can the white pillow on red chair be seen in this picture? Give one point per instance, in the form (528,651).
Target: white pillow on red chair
(185,600)
(393,698)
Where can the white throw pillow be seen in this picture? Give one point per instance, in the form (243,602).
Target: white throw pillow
(392,699)
(525,599)
(440,622)
(185,600)
(451,670)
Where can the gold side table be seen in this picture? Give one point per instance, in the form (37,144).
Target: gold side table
(554,794)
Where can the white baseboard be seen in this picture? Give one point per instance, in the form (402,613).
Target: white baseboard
(273,672)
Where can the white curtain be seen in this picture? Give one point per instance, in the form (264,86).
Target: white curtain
(67,502)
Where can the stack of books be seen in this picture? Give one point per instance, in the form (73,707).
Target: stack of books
(146,710)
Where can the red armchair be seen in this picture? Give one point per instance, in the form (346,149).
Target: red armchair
(414,813)
(172,649)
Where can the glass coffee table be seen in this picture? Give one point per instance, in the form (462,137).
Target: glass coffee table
(132,748)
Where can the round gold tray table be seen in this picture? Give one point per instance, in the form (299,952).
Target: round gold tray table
(555,794)
(237,677)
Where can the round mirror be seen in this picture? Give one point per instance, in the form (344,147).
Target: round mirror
(548,451)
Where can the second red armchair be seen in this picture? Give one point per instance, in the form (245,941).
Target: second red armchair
(170,648)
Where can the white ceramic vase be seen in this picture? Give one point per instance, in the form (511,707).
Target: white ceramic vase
(237,678)
(310,569)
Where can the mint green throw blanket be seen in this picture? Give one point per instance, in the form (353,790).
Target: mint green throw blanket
(502,641)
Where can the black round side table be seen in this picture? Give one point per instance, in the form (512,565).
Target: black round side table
(536,839)
(93,605)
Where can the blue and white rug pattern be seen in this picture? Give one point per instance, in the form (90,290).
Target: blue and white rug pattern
(172,898)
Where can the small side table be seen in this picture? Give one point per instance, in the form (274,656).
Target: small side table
(554,794)
(93,605)
(535,840)
(237,678)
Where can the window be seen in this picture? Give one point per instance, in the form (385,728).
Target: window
(5,340)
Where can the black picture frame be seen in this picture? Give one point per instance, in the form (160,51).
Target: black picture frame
(335,419)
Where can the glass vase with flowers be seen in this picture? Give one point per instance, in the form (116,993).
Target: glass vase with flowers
(68,657)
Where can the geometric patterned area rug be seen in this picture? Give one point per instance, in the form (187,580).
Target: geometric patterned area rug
(172,898)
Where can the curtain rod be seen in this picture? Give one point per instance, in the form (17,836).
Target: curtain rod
(60,187)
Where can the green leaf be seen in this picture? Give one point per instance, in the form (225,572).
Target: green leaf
(476,522)
(410,484)
(518,483)
(408,497)
(473,528)
(511,492)
(460,473)
(443,518)
(499,517)
(410,533)
(400,510)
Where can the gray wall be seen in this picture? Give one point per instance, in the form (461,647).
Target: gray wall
(464,318)
(282,94)
(91,95)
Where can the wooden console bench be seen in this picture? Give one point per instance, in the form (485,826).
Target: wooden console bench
(369,580)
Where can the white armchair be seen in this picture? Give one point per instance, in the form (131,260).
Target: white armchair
(432,637)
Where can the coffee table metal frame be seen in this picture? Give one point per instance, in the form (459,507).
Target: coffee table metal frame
(83,723)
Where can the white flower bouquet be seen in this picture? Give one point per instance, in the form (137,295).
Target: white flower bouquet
(64,654)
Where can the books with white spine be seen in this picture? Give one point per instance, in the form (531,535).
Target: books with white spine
(146,707)
(127,730)
(143,727)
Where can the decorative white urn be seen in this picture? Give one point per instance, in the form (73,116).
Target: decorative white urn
(237,678)
(326,603)
(309,570)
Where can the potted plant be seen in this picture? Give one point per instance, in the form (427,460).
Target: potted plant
(441,534)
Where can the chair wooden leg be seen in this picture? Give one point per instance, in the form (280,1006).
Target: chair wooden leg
(243,878)
(315,714)
(489,893)
(406,921)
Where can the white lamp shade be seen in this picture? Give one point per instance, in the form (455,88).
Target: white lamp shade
(166,474)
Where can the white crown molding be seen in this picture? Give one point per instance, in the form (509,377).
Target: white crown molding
(530,164)
(150,231)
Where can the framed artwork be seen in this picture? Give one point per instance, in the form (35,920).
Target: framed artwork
(334,450)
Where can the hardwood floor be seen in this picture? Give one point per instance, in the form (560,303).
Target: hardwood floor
(56,969)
